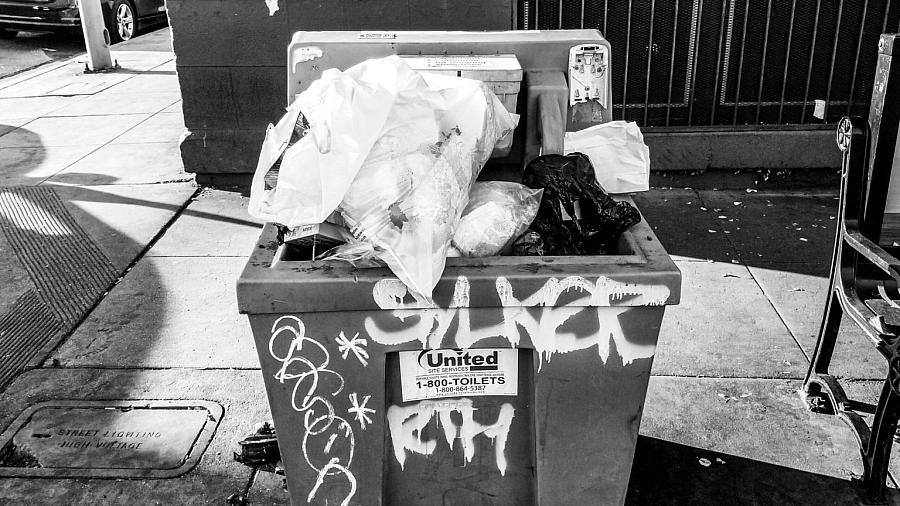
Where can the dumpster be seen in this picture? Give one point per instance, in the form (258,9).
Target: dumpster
(521,381)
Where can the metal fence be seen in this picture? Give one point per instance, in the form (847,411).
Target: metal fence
(731,62)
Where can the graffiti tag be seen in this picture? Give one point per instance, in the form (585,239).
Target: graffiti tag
(541,316)
(328,439)
(406,424)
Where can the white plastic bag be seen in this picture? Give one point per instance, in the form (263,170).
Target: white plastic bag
(617,151)
(410,192)
(346,112)
(497,213)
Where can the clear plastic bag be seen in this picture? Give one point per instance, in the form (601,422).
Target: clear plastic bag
(408,196)
(498,212)
(359,254)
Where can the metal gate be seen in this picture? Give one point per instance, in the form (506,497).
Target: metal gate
(731,62)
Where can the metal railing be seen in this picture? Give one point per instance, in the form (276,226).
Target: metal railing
(731,62)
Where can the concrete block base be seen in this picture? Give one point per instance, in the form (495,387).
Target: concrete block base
(229,157)
(762,148)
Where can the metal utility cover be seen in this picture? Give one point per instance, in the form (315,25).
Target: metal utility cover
(108,439)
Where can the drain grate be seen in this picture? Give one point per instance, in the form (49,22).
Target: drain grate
(68,269)
(24,330)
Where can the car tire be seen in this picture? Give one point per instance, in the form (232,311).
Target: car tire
(123,23)
(6,33)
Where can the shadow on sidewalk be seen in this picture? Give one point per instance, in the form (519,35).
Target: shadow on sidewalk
(60,259)
(66,271)
(667,473)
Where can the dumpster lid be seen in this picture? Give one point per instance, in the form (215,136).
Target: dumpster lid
(642,274)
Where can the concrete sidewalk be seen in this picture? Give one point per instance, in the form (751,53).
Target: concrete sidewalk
(119,275)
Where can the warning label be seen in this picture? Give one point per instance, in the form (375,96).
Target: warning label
(432,374)
(456,62)
(463,62)
(376,35)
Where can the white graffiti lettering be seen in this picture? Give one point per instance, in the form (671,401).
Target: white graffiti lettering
(355,344)
(328,439)
(430,324)
(406,424)
(326,471)
(359,409)
(540,315)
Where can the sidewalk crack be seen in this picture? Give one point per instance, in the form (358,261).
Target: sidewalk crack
(743,263)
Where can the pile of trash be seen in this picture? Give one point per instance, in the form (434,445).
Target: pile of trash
(377,165)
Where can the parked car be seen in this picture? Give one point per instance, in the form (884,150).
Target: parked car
(123,17)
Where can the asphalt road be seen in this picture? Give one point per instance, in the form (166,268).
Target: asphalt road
(31,49)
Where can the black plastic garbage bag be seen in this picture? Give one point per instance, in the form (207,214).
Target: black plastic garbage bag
(576,216)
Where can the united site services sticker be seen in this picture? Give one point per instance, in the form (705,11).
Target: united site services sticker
(432,374)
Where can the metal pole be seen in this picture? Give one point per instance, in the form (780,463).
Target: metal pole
(787,60)
(737,88)
(837,36)
(96,38)
(627,50)
(719,82)
(812,54)
(605,17)
(762,72)
(672,65)
(859,48)
(649,61)
(526,18)
(690,111)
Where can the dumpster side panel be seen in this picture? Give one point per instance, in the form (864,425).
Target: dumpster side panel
(588,414)
(575,417)
(460,467)
(327,402)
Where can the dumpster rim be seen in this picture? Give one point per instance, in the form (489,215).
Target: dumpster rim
(329,286)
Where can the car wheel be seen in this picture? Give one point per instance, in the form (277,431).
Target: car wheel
(124,23)
(6,33)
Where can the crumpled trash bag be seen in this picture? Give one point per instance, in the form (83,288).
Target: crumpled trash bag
(394,150)
(575,217)
(411,190)
(498,212)
(617,151)
(528,244)
(359,254)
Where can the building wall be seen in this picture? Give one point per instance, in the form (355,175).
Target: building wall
(231,60)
